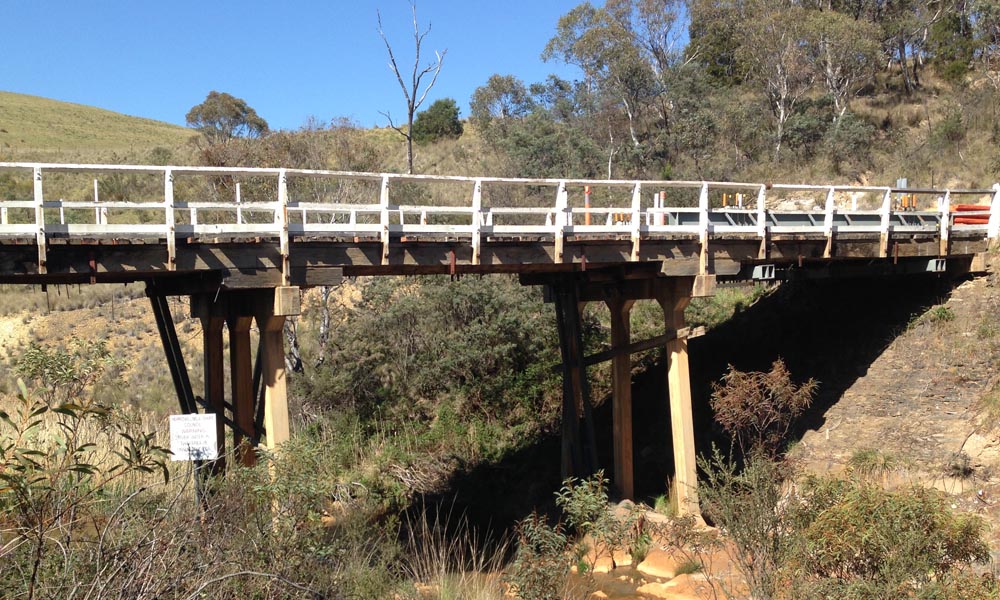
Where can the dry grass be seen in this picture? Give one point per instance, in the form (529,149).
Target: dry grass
(33,128)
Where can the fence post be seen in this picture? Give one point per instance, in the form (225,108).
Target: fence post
(40,221)
(636,223)
(561,220)
(993,230)
(477,220)
(885,226)
(384,218)
(828,223)
(762,228)
(168,208)
(239,205)
(703,227)
(281,221)
(945,223)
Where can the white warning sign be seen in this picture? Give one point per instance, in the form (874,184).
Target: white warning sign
(193,437)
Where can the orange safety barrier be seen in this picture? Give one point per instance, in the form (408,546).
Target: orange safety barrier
(972,220)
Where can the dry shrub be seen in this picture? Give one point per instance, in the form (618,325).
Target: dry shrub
(757,409)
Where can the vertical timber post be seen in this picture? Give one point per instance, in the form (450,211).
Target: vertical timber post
(241,380)
(579,453)
(621,395)
(275,389)
(215,382)
(673,298)
(40,238)
(285,302)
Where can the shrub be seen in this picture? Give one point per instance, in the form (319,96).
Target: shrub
(540,567)
(439,121)
(757,408)
(856,536)
(747,504)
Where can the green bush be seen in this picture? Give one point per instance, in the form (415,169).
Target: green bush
(541,566)
(439,121)
(857,540)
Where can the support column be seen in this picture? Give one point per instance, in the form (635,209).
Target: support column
(674,298)
(621,395)
(215,382)
(579,453)
(241,380)
(273,373)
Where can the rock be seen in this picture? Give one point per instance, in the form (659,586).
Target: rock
(658,564)
(603,564)
(981,449)
(622,559)
(598,595)
(656,590)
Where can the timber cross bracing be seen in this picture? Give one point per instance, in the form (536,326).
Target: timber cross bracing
(241,242)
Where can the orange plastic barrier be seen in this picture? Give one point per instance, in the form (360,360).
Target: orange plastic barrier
(972,220)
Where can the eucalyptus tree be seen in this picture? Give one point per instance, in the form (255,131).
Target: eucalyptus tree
(223,117)
(844,53)
(777,59)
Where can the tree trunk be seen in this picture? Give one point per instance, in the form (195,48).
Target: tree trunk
(903,68)
(293,358)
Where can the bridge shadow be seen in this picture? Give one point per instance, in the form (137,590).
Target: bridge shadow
(828,330)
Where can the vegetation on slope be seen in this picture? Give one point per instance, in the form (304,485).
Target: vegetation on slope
(33,128)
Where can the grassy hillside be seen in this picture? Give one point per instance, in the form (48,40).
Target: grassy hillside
(33,128)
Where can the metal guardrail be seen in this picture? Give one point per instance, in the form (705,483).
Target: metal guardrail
(641,210)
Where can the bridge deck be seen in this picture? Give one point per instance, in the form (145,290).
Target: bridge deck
(265,227)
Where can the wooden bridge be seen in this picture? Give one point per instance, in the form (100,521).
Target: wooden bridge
(243,242)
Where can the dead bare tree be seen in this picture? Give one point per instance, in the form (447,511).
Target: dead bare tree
(411,91)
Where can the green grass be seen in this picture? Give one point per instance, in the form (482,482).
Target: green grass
(33,128)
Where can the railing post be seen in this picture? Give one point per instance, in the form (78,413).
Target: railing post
(945,222)
(636,224)
(885,232)
(168,209)
(477,220)
(281,222)
(3,216)
(828,223)
(561,220)
(762,228)
(239,205)
(993,229)
(384,218)
(703,227)
(40,221)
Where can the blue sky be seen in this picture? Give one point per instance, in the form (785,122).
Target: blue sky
(289,60)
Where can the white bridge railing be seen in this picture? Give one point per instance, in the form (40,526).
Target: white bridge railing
(292,203)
